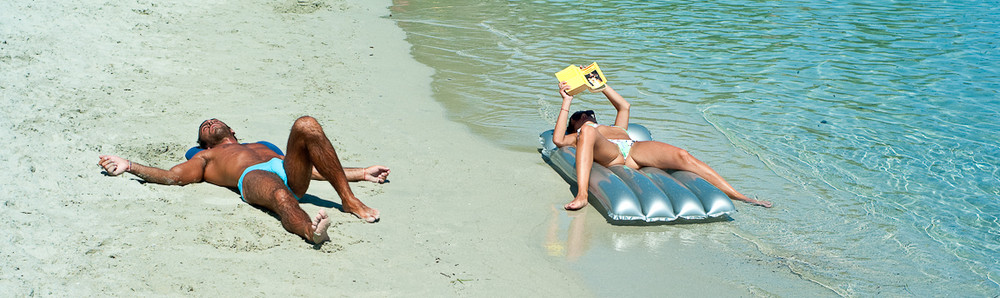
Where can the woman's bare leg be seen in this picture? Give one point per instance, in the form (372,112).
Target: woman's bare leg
(666,156)
(589,141)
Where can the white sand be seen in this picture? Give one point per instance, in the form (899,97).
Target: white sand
(135,78)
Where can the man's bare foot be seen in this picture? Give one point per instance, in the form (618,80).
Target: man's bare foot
(576,204)
(363,212)
(319,226)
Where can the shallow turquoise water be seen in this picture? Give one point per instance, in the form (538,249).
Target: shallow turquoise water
(877,119)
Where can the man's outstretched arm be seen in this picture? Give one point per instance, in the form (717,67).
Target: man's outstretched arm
(190,171)
(377,174)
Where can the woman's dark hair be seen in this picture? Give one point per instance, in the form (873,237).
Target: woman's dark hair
(576,116)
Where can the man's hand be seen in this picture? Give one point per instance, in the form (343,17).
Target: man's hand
(377,174)
(114,165)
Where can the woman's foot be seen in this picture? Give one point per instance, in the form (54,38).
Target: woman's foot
(576,204)
(755,201)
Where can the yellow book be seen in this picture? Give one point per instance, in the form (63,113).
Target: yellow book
(579,79)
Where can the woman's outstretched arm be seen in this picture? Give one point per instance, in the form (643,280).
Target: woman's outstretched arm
(620,104)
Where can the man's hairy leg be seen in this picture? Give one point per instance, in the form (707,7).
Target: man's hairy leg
(265,189)
(308,147)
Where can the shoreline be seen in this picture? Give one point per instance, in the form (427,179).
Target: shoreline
(681,259)
(158,69)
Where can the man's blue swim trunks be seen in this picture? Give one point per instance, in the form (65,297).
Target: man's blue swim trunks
(275,165)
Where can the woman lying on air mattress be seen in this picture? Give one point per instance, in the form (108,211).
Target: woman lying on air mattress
(612,146)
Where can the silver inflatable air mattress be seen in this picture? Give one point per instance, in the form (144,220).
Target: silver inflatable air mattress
(649,194)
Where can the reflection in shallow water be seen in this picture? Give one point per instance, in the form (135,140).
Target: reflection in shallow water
(693,259)
(570,239)
(570,234)
(872,126)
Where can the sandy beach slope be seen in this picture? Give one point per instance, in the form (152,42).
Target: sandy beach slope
(81,78)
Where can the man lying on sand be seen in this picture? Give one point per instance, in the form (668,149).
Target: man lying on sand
(264,177)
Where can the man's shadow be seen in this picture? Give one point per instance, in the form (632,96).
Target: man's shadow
(307,199)
(311,199)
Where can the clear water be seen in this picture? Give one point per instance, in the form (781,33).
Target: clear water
(874,122)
